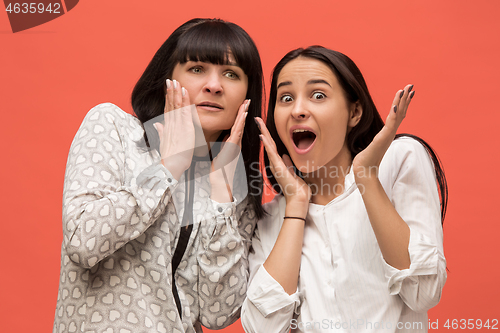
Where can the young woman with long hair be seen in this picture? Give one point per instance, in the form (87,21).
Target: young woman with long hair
(353,241)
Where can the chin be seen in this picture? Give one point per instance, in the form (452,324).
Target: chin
(214,126)
(307,165)
(306,169)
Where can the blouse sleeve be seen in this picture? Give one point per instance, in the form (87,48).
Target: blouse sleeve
(223,262)
(267,307)
(415,196)
(101,213)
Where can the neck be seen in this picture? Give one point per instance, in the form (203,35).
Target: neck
(327,182)
(211,136)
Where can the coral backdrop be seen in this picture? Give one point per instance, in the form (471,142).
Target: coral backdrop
(52,74)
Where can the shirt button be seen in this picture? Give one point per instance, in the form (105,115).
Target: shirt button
(220,209)
(169,180)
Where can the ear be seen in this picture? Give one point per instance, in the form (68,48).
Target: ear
(355,114)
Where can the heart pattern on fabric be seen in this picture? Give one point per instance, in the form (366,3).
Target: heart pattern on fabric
(119,238)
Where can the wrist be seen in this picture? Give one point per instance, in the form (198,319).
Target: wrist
(174,169)
(296,210)
(297,201)
(303,219)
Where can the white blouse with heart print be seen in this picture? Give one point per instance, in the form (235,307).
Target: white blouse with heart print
(120,231)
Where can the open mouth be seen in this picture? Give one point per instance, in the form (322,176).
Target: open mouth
(302,138)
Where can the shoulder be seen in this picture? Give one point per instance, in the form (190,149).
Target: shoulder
(406,157)
(109,119)
(405,150)
(110,113)
(406,145)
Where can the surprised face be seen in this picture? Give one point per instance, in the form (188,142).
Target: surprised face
(312,114)
(217,91)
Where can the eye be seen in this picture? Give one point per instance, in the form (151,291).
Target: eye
(318,95)
(286,99)
(196,69)
(231,75)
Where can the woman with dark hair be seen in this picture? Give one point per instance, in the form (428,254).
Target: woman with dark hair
(353,240)
(157,216)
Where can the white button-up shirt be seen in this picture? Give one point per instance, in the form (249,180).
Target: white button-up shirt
(345,285)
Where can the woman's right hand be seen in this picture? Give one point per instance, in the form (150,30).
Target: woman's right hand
(283,263)
(177,134)
(294,188)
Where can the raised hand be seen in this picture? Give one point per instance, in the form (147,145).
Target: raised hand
(283,263)
(371,156)
(224,165)
(177,134)
(294,188)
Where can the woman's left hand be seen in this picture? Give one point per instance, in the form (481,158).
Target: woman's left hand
(224,165)
(371,156)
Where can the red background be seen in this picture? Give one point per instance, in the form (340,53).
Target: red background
(51,75)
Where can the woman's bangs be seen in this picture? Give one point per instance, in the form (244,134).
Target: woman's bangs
(212,43)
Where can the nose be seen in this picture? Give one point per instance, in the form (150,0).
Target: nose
(213,84)
(300,110)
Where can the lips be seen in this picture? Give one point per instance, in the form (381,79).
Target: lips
(210,106)
(303,138)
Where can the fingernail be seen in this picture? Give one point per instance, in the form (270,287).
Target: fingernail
(395,108)
(248,104)
(256,121)
(175,84)
(412,94)
(411,87)
(168,83)
(402,93)
(183,91)
(260,137)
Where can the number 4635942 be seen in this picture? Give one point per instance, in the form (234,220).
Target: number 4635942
(470,324)
(33,8)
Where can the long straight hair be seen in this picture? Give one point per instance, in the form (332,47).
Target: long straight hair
(212,41)
(355,90)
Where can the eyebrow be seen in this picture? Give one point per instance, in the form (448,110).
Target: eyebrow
(287,83)
(318,81)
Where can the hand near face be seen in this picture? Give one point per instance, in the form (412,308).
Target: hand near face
(177,134)
(224,165)
(293,187)
(372,155)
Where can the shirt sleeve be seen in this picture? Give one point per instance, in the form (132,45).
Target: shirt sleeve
(101,213)
(267,307)
(416,199)
(223,262)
